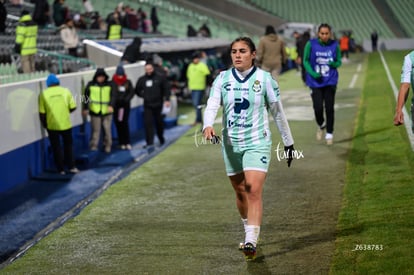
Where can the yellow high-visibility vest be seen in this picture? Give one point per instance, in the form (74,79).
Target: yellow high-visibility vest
(26,35)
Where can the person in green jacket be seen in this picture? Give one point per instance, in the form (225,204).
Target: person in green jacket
(26,41)
(55,105)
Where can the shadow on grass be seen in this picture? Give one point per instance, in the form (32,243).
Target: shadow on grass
(259,265)
(364,134)
(289,245)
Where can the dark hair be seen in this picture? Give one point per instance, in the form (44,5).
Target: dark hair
(246,40)
(324,25)
(269,30)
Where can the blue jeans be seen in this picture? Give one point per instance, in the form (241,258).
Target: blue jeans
(197,97)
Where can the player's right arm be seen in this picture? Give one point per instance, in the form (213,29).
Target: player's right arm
(213,105)
(404,90)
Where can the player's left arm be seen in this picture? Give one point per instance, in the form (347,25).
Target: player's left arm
(276,109)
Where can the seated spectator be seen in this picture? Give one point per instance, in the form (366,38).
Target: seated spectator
(191,32)
(204,31)
(97,23)
(79,22)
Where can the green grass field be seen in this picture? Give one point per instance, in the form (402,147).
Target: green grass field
(376,223)
(345,209)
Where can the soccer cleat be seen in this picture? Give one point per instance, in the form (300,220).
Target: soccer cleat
(249,251)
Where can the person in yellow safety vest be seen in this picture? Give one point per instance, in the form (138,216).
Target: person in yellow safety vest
(26,41)
(114,30)
(98,103)
(292,55)
(55,105)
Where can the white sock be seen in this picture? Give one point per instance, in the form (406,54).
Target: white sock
(252,234)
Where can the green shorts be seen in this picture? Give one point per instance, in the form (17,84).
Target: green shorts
(238,159)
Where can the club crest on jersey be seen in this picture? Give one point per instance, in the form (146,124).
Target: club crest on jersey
(256,86)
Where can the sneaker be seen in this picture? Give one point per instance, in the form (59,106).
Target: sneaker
(319,132)
(74,170)
(94,148)
(62,173)
(329,139)
(123,147)
(249,251)
(107,150)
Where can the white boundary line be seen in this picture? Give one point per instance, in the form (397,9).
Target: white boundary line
(395,90)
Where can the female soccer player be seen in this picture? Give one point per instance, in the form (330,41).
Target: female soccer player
(247,93)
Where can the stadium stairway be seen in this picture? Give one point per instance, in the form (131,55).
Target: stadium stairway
(35,209)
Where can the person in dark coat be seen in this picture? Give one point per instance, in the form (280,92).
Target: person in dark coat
(154,19)
(60,12)
(300,47)
(123,92)
(3,17)
(154,89)
(41,12)
(132,52)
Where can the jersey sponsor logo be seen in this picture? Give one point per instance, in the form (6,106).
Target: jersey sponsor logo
(226,86)
(240,104)
(256,86)
(241,89)
(232,124)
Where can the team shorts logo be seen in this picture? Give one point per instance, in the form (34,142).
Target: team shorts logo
(256,86)
(263,159)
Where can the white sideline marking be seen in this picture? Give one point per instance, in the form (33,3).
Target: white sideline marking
(355,76)
(395,90)
(353,81)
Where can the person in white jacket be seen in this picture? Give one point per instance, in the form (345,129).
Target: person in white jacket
(69,36)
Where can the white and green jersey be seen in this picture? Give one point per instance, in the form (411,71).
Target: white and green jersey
(407,72)
(245,107)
